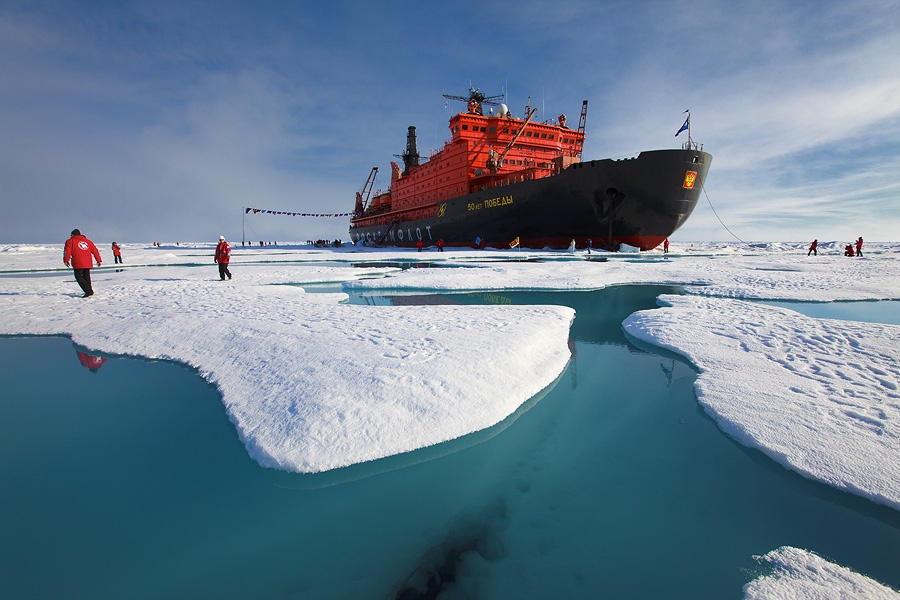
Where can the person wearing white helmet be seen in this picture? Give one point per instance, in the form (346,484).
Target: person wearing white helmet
(223,255)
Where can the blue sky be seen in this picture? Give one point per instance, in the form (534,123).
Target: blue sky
(159,121)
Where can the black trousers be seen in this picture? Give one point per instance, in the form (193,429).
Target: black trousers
(118,259)
(83,277)
(223,270)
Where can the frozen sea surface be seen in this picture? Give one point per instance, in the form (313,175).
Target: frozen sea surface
(169,311)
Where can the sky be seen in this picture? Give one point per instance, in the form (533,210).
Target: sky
(163,120)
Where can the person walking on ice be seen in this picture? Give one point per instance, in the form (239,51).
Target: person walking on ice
(223,255)
(859,243)
(80,251)
(117,254)
(812,248)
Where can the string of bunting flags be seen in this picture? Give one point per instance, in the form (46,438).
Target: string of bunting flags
(296,214)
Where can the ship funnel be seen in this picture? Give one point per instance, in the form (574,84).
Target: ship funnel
(411,156)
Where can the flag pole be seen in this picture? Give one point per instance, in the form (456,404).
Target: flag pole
(688,122)
(690,141)
(243,226)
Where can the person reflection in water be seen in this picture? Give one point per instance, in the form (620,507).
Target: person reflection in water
(90,362)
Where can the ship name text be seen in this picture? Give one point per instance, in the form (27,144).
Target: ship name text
(492,203)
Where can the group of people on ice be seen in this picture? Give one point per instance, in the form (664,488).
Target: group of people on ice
(81,253)
(848,249)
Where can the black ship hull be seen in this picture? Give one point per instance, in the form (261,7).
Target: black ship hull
(638,201)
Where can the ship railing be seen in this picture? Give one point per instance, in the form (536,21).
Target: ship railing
(504,179)
(435,151)
(692,145)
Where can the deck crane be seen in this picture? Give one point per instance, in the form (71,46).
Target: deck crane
(581,124)
(494,163)
(362,198)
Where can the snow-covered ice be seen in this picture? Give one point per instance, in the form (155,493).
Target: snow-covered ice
(312,384)
(759,275)
(309,383)
(801,575)
(819,396)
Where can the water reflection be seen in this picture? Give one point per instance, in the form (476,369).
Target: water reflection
(89,361)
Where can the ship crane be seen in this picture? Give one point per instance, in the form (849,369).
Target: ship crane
(494,163)
(362,198)
(581,124)
(475,99)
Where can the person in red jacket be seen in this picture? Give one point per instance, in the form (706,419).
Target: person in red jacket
(80,250)
(223,255)
(117,253)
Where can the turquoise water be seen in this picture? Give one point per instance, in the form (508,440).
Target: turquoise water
(129,481)
(885,311)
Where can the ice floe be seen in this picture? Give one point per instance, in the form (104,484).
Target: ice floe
(310,384)
(820,396)
(801,575)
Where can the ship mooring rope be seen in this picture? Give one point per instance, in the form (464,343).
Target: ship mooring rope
(720,220)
